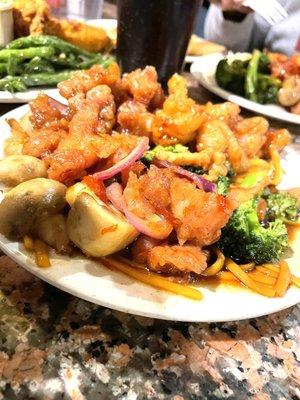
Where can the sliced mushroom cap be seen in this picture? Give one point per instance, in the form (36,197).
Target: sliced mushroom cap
(289,94)
(53,231)
(98,229)
(20,168)
(23,205)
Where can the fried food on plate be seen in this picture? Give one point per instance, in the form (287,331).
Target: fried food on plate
(201,47)
(33,17)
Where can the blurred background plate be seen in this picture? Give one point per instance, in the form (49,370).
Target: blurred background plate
(204,71)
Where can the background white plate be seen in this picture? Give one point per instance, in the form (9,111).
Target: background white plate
(204,70)
(93,282)
(24,97)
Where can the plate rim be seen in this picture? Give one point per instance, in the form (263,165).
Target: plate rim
(197,71)
(24,261)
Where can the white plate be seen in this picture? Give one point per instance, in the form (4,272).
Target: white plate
(93,282)
(204,70)
(24,97)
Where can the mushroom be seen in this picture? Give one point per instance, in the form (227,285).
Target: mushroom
(96,228)
(28,202)
(53,231)
(20,168)
(289,94)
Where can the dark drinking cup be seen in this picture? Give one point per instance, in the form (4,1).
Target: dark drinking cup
(155,32)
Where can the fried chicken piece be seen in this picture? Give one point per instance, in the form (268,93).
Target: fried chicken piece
(75,152)
(43,141)
(81,82)
(141,248)
(180,117)
(227,112)
(176,259)
(91,38)
(142,85)
(33,17)
(140,206)
(102,96)
(14,144)
(46,110)
(133,118)
(216,136)
(201,214)
(251,134)
(29,17)
(278,138)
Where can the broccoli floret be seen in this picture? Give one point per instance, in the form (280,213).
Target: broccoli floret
(245,240)
(231,76)
(264,64)
(177,148)
(281,205)
(223,184)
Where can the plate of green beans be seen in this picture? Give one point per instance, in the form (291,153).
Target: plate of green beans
(34,63)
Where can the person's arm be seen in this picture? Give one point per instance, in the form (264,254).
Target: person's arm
(231,27)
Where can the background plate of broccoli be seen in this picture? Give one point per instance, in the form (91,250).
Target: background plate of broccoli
(213,68)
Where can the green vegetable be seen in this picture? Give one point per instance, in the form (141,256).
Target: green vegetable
(45,40)
(42,61)
(3,69)
(45,79)
(231,76)
(249,79)
(252,76)
(161,150)
(223,184)
(12,84)
(43,52)
(20,83)
(245,240)
(281,205)
(264,64)
(38,65)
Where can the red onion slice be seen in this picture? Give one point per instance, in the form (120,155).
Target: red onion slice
(201,182)
(134,155)
(114,193)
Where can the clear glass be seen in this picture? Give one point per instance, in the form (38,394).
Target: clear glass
(77,9)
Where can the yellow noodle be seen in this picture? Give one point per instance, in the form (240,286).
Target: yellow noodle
(249,282)
(283,280)
(296,280)
(28,243)
(41,254)
(153,279)
(262,278)
(275,161)
(217,266)
(267,271)
(247,267)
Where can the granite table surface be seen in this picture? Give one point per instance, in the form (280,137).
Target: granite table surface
(55,346)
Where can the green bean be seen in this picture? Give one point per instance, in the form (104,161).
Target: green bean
(38,65)
(46,40)
(43,52)
(3,69)
(45,79)
(12,84)
(252,76)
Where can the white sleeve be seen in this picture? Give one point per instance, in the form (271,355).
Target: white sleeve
(235,36)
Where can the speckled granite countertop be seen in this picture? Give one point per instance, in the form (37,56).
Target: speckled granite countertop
(56,346)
